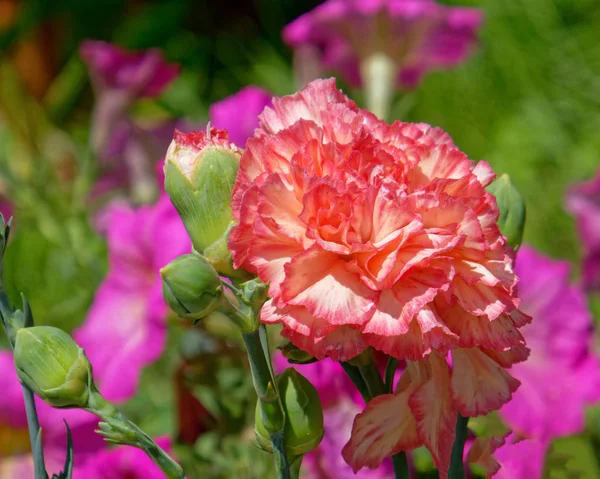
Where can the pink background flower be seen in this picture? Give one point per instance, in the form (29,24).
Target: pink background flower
(419,35)
(238,113)
(125,329)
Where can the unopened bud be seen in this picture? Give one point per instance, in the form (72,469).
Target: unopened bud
(200,171)
(512,210)
(303,428)
(51,364)
(191,286)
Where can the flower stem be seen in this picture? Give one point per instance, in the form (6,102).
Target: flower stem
(33,425)
(117,429)
(378,72)
(390,371)
(354,374)
(457,470)
(266,389)
(372,378)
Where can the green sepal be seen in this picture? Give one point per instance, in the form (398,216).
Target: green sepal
(512,210)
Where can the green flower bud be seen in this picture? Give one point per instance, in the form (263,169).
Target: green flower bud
(200,171)
(512,210)
(254,293)
(51,364)
(303,428)
(191,286)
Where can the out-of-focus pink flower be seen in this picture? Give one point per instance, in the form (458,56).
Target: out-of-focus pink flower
(341,402)
(125,328)
(123,463)
(417,35)
(381,235)
(139,74)
(127,149)
(238,113)
(583,201)
(561,376)
(16,460)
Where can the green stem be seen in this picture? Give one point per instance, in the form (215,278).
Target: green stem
(372,378)
(120,430)
(390,372)
(354,374)
(400,463)
(266,389)
(33,424)
(457,470)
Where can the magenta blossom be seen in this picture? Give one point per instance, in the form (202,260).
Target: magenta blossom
(238,113)
(583,201)
(341,403)
(139,74)
(16,460)
(127,148)
(125,328)
(123,463)
(562,374)
(417,35)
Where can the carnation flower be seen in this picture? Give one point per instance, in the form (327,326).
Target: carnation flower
(238,113)
(582,202)
(381,235)
(125,328)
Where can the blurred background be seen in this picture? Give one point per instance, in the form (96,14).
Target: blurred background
(527,101)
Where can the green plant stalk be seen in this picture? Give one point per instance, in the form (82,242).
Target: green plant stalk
(390,371)
(120,430)
(457,469)
(369,383)
(272,409)
(33,424)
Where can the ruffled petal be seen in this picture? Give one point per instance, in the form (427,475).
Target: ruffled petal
(434,413)
(347,300)
(479,384)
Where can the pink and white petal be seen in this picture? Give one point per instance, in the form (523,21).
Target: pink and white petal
(499,334)
(384,428)
(441,161)
(12,407)
(479,384)
(405,346)
(244,208)
(513,355)
(296,318)
(482,300)
(434,413)
(269,252)
(342,344)
(277,202)
(484,173)
(306,104)
(347,300)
